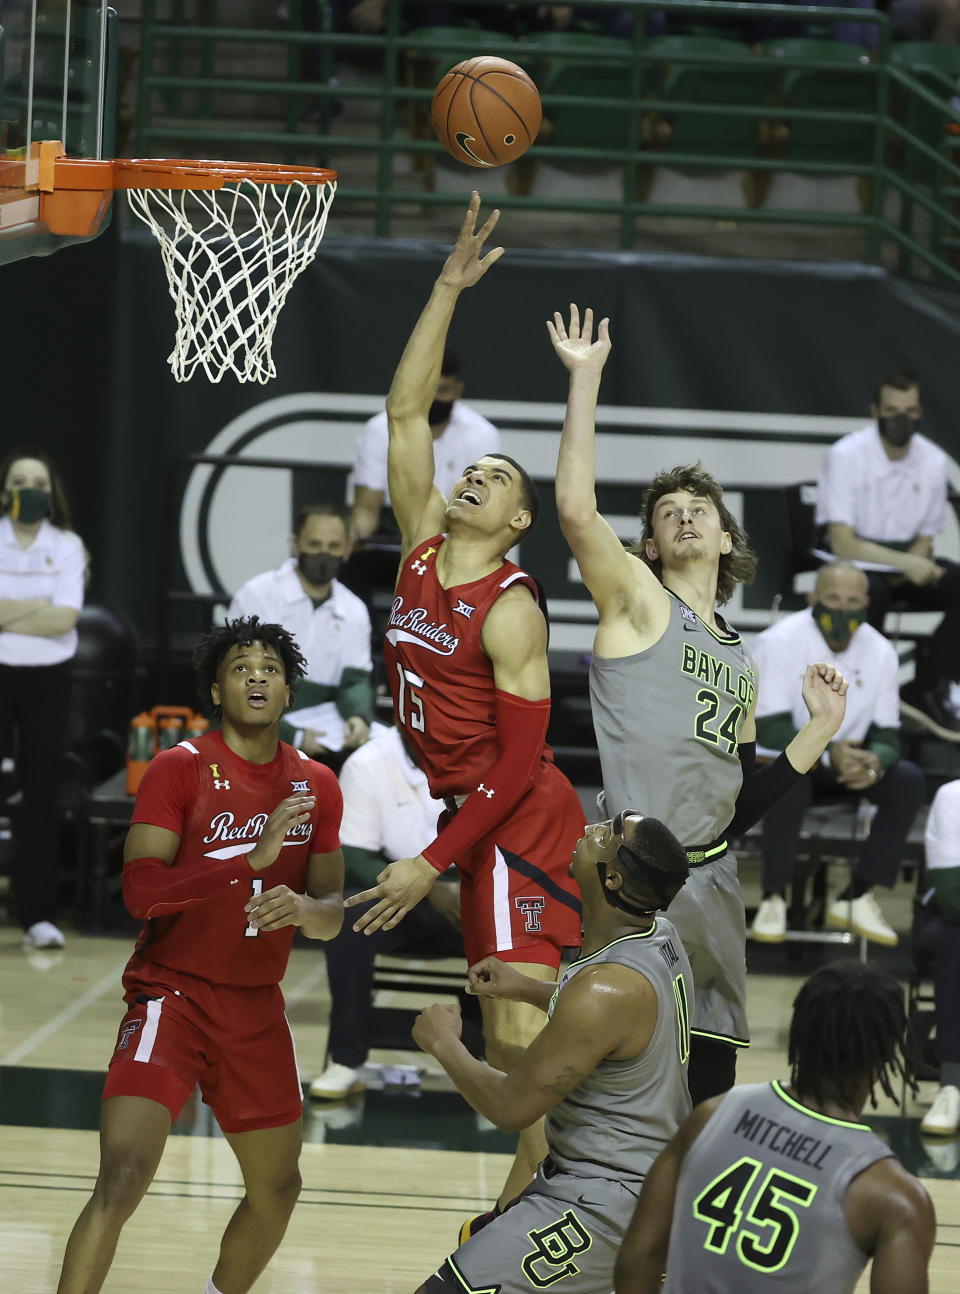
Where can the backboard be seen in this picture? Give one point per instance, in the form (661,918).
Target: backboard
(57,82)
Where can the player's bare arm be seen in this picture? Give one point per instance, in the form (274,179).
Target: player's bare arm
(825,696)
(642,1259)
(605,1012)
(514,637)
(318,913)
(623,588)
(417,503)
(891,1216)
(493,978)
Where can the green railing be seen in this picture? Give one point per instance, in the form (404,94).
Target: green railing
(909,181)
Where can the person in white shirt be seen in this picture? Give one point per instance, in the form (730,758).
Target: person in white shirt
(882,497)
(938,926)
(862,760)
(331,624)
(460,437)
(42,569)
(388,813)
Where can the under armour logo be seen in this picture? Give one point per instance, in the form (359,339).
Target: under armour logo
(464,609)
(531,907)
(556,1246)
(487,792)
(221,784)
(300,786)
(419,567)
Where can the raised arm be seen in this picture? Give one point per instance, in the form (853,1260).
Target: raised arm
(417,503)
(618,582)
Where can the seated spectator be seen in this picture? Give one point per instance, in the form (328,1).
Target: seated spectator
(863,760)
(331,624)
(460,437)
(883,498)
(939,925)
(388,813)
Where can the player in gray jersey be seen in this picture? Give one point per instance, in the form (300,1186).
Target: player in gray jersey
(775,1189)
(673,694)
(608,1071)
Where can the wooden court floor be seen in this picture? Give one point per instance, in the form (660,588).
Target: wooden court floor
(388,1177)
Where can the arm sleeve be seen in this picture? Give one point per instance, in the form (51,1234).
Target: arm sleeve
(151,888)
(370,459)
(355,694)
(885,744)
(775,731)
(521,731)
(362,825)
(326,832)
(68,585)
(761,788)
(836,491)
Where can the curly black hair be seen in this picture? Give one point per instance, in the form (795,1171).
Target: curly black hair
(215,644)
(848,1031)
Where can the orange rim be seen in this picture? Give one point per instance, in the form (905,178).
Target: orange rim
(174,173)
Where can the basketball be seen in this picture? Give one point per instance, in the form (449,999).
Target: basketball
(486,111)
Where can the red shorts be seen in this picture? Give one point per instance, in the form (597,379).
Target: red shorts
(518,900)
(235,1042)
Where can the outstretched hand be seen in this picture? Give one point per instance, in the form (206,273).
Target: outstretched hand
(464,266)
(575,346)
(400,887)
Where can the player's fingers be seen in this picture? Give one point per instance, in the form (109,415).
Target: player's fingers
(491,258)
(560,326)
(574,322)
(365,896)
(603,332)
(587,330)
(489,226)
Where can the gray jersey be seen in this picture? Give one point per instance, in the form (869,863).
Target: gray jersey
(759,1203)
(668,721)
(616,1122)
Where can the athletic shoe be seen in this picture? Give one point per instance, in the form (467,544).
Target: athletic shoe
(943,1117)
(336,1082)
(475,1224)
(864,918)
(942,1153)
(43,934)
(770,923)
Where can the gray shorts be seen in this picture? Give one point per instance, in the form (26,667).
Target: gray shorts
(562,1233)
(712,925)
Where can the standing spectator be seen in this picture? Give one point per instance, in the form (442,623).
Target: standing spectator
(862,760)
(460,436)
(388,813)
(42,565)
(940,925)
(332,626)
(883,498)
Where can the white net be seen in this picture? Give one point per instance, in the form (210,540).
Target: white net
(231,256)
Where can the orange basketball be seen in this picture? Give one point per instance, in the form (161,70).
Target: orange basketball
(486,111)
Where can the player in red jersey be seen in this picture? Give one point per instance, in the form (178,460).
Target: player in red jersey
(233,846)
(466,656)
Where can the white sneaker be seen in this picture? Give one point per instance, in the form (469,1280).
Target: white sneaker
(864,918)
(943,1117)
(336,1082)
(770,923)
(43,934)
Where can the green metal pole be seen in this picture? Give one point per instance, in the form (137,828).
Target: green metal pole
(388,114)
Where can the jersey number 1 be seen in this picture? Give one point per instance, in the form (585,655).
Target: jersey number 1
(409,700)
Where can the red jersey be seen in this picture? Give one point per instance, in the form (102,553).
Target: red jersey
(444,695)
(218,804)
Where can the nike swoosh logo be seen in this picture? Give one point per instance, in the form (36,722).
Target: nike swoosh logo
(465,140)
(691,629)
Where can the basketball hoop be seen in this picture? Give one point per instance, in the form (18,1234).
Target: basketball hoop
(233,237)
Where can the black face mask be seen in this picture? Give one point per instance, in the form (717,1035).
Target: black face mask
(439,412)
(319,568)
(898,428)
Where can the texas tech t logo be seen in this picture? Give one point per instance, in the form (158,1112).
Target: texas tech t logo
(531,907)
(556,1247)
(127,1033)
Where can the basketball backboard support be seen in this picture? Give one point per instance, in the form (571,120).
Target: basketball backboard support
(57,82)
